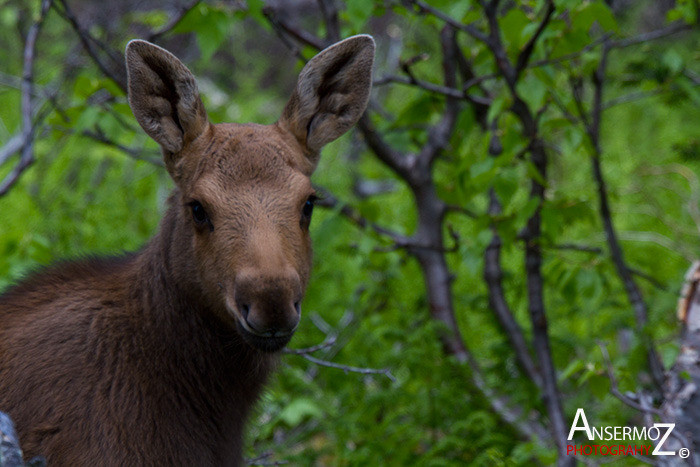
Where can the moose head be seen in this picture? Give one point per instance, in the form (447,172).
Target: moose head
(243,197)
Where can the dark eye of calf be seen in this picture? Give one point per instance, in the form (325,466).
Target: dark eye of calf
(200,216)
(306,211)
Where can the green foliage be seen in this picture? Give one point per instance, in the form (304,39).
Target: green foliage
(82,196)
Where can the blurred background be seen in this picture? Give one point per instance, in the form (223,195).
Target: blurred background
(464,300)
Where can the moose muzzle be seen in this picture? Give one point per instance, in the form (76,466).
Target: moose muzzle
(267,308)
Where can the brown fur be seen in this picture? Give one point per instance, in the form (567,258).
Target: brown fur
(156,358)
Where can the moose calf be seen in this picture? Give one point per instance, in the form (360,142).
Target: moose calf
(156,357)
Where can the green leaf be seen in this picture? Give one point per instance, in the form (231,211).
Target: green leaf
(674,61)
(685,10)
(501,102)
(357,13)
(298,410)
(533,90)
(255,10)
(534,173)
(512,25)
(211,26)
(573,367)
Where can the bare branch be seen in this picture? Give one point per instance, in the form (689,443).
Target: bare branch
(174,21)
(328,342)
(27,89)
(614,389)
(632,97)
(327,199)
(576,247)
(264,459)
(468,28)
(329,11)
(432,87)
(526,53)
(493,276)
(134,153)
(300,35)
(399,163)
(670,30)
(13,145)
(634,294)
(528,427)
(532,235)
(439,135)
(350,369)
(117,75)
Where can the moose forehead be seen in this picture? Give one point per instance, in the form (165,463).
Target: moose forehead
(250,158)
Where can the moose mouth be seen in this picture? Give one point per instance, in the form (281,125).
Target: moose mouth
(267,342)
(271,341)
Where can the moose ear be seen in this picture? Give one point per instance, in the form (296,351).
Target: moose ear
(164,97)
(331,93)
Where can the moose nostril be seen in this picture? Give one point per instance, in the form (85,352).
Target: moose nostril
(297,306)
(244,309)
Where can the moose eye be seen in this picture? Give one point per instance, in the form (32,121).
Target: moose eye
(200,215)
(307,210)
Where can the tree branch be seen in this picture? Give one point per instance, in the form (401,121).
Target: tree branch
(468,28)
(493,276)
(327,199)
(87,40)
(670,30)
(27,90)
(532,236)
(634,294)
(100,137)
(432,87)
(347,368)
(614,389)
(328,342)
(300,35)
(173,22)
(439,135)
(526,53)
(329,11)
(399,163)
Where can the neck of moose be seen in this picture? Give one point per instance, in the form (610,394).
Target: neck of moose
(215,372)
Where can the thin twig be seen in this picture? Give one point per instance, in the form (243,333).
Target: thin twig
(632,97)
(634,295)
(526,53)
(328,200)
(100,137)
(174,21)
(329,11)
(328,342)
(532,235)
(468,28)
(493,276)
(432,87)
(651,35)
(439,134)
(350,369)
(576,247)
(87,40)
(300,35)
(14,144)
(27,89)
(398,162)
(614,388)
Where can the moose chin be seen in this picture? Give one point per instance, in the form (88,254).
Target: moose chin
(156,357)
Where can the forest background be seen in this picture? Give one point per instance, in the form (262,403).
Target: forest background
(506,233)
